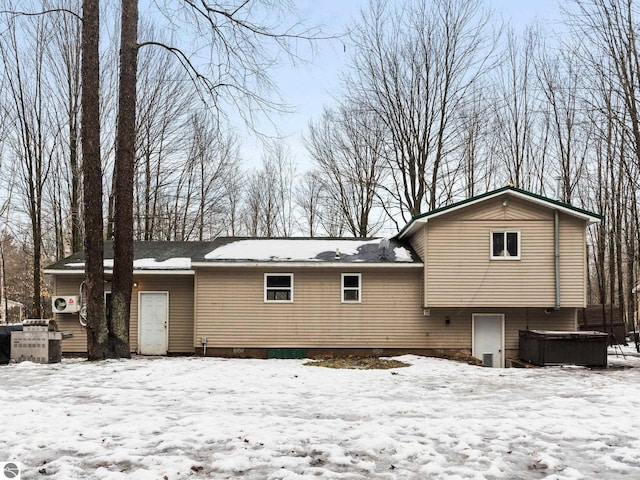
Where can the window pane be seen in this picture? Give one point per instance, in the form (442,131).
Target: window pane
(279,295)
(498,244)
(283,295)
(512,244)
(279,281)
(351,281)
(351,295)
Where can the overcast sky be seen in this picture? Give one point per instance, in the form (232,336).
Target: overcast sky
(308,87)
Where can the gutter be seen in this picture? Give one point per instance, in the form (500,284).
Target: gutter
(293,264)
(150,271)
(556,247)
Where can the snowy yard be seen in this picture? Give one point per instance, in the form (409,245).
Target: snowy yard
(173,418)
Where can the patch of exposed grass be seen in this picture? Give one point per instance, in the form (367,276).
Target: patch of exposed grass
(464,358)
(361,363)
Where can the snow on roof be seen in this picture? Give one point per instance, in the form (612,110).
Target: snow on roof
(310,250)
(286,250)
(402,254)
(180,263)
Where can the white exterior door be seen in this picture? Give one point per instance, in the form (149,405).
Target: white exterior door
(488,338)
(153,324)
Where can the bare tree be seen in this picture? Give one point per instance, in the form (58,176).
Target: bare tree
(282,171)
(65,52)
(348,148)
(477,161)
(517,127)
(165,98)
(309,195)
(33,142)
(561,80)
(413,66)
(608,30)
(254,216)
(234,189)
(200,195)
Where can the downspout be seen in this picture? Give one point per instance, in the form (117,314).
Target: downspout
(556,247)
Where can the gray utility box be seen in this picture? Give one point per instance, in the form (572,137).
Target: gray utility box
(542,347)
(38,342)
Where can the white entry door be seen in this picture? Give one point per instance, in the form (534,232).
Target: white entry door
(488,338)
(153,325)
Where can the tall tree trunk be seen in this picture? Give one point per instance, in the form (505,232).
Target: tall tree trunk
(97,335)
(76,231)
(124,172)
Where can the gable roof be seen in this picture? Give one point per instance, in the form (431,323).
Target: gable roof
(589,217)
(182,257)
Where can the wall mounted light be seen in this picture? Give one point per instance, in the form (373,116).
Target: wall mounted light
(447,320)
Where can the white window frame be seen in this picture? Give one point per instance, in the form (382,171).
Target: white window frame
(267,275)
(343,288)
(504,257)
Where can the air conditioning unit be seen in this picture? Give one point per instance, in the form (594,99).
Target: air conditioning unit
(66,304)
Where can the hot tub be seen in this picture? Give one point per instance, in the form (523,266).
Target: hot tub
(544,347)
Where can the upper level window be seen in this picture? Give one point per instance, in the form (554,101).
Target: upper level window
(505,245)
(351,287)
(278,287)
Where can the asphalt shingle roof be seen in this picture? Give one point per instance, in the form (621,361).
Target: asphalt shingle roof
(168,255)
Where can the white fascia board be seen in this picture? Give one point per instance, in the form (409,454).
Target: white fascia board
(164,272)
(351,265)
(135,272)
(63,272)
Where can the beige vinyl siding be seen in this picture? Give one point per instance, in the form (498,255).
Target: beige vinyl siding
(459,271)
(573,262)
(180,288)
(458,333)
(231,311)
(493,209)
(68,322)
(417,241)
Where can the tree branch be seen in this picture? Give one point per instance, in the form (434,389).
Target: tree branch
(44,12)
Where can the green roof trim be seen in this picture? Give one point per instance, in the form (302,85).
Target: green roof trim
(492,193)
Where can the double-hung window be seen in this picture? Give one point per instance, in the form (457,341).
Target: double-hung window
(505,245)
(351,288)
(278,287)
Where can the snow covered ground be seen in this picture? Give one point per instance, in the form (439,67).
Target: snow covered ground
(173,418)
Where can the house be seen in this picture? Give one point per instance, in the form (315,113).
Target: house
(460,279)
(13,307)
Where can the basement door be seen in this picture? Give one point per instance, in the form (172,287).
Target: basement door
(488,338)
(153,323)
